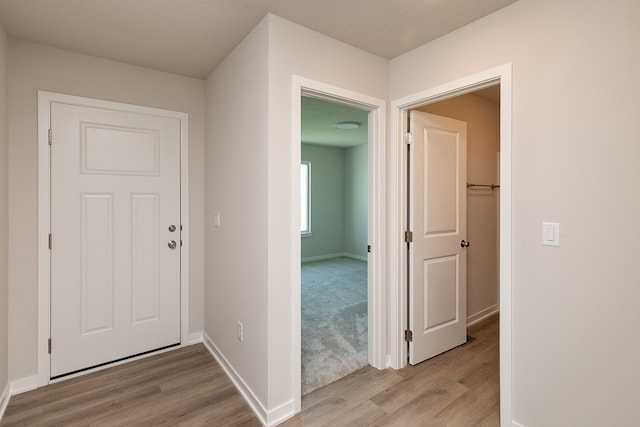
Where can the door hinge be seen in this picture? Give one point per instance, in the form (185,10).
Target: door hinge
(369,248)
(49,345)
(408,138)
(50,136)
(408,236)
(50,240)
(408,336)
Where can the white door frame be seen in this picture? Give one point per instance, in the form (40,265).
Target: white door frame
(398,216)
(44,209)
(376,225)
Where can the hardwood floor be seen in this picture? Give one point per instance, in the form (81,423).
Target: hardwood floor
(186,387)
(458,388)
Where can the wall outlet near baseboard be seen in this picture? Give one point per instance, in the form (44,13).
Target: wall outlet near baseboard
(240,331)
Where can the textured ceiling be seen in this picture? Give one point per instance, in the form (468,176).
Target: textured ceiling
(191,37)
(320,117)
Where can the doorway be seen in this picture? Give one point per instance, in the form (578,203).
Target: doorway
(334,240)
(376,224)
(472,293)
(398,216)
(113,233)
(481,111)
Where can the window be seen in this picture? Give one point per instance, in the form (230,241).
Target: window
(305,198)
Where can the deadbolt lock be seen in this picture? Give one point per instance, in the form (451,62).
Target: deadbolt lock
(172,228)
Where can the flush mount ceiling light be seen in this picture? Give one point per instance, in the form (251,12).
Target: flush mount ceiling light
(347,125)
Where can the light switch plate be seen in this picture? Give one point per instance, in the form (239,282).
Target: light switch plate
(551,234)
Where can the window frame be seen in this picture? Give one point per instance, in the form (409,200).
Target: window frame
(305,232)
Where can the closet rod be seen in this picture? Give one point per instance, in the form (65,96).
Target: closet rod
(491,186)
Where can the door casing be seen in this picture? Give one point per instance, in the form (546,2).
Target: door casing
(376,265)
(397,199)
(44,267)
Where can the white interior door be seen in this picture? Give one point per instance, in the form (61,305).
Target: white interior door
(115,199)
(437,274)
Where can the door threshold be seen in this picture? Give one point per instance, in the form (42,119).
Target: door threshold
(112,363)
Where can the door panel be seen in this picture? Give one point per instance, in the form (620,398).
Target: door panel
(437,276)
(144,261)
(117,150)
(440,157)
(440,296)
(96,268)
(115,190)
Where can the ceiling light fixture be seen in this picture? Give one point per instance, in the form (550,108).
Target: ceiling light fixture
(347,125)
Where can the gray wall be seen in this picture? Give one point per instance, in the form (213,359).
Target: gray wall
(356,200)
(338,202)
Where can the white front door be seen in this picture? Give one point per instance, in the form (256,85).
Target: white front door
(437,198)
(115,199)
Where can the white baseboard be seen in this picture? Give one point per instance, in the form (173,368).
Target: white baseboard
(481,315)
(4,399)
(242,387)
(280,414)
(337,255)
(355,256)
(321,257)
(267,418)
(24,384)
(194,338)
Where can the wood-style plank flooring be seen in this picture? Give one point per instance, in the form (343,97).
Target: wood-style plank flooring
(458,388)
(186,387)
(182,387)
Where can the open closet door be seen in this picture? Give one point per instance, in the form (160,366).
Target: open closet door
(437,206)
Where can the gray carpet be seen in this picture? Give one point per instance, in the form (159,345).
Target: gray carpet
(334,320)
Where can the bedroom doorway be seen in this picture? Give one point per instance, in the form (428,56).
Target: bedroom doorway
(334,241)
(376,249)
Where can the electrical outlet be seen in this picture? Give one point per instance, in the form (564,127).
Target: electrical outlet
(240,331)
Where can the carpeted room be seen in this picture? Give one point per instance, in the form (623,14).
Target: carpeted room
(333,242)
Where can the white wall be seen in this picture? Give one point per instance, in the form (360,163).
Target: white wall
(4,210)
(251,161)
(575,161)
(34,67)
(236,253)
(483,144)
(295,50)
